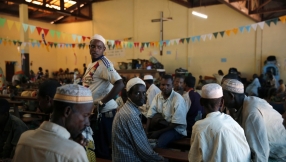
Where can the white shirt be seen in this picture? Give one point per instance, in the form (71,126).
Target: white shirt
(50,142)
(187,100)
(101,81)
(263,129)
(173,110)
(152,91)
(253,87)
(218,78)
(218,138)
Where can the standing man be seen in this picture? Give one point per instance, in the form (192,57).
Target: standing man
(105,83)
(51,141)
(217,137)
(130,142)
(166,117)
(152,91)
(262,124)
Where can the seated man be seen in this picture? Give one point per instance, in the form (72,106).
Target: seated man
(217,137)
(178,84)
(11,128)
(192,98)
(262,124)
(167,115)
(51,141)
(130,142)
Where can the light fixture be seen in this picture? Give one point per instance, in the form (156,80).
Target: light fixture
(199,14)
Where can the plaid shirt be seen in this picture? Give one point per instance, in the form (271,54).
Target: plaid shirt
(129,141)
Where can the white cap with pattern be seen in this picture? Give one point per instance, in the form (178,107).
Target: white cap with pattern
(148,77)
(99,37)
(212,91)
(132,82)
(233,85)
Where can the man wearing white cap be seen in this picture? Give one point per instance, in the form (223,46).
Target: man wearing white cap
(152,91)
(129,141)
(166,117)
(262,124)
(52,140)
(105,83)
(217,137)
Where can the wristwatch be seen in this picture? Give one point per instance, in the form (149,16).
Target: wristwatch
(101,104)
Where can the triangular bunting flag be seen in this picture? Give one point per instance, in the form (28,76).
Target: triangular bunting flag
(58,34)
(142,45)
(0,40)
(70,45)
(83,45)
(228,32)
(2,21)
(67,45)
(33,44)
(10,24)
(25,27)
(46,31)
(210,36)
(215,34)
(24,44)
(74,37)
(261,24)
(203,37)
(193,39)
(18,25)
(83,38)
(282,19)
(275,21)
(221,33)
(38,44)
(19,43)
(147,44)
(73,45)
(254,26)
(51,44)
(14,42)
(79,38)
(241,29)
(55,45)
(188,40)
(235,30)
(182,40)
(52,33)
(79,45)
(39,29)
(172,42)
(167,42)
(32,28)
(248,28)
(177,41)
(198,37)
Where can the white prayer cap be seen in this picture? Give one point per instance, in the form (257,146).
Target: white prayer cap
(233,85)
(148,77)
(99,37)
(161,70)
(212,91)
(132,82)
(73,93)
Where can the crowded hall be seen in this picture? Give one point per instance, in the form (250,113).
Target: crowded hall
(142,81)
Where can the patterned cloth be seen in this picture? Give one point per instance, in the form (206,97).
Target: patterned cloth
(130,143)
(233,85)
(90,148)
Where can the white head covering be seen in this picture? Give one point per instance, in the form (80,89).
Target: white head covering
(73,93)
(148,77)
(132,82)
(212,91)
(233,85)
(161,70)
(99,37)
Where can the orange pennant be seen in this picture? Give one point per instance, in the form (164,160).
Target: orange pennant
(4,42)
(235,30)
(228,32)
(156,44)
(282,19)
(43,45)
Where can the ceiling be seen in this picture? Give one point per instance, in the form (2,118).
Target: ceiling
(258,10)
(66,11)
(51,11)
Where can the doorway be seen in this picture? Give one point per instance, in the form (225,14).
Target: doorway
(10,70)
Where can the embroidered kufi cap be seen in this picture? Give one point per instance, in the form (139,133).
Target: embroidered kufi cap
(73,93)
(132,82)
(233,85)
(211,91)
(148,77)
(99,37)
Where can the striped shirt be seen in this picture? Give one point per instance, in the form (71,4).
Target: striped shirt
(129,141)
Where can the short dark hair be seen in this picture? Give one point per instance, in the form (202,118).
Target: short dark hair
(211,104)
(179,76)
(166,77)
(149,81)
(220,72)
(231,76)
(59,106)
(40,68)
(232,70)
(4,106)
(48,88)
(280,81)
(190,81)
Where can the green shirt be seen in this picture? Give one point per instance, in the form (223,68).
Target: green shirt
(10,135)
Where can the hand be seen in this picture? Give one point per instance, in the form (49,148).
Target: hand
(154,135)
(81,140)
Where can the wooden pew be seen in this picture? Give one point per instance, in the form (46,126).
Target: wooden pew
(102,160)
(183,144)
(173,155)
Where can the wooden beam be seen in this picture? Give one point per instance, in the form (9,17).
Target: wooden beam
(280,9)
(262,5)
(183,3)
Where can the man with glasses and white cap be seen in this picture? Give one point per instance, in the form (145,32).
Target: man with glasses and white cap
(52,140)
(217,137)
(262,124)
(129,141)
(105,83)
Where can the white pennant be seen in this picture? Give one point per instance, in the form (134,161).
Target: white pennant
(203,37)
(254,26)
(261,24)
(210,36)
(177,41)
(24,44)
(172,42)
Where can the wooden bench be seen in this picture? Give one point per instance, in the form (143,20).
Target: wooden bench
(183,144)
(102,160)
(173,155)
